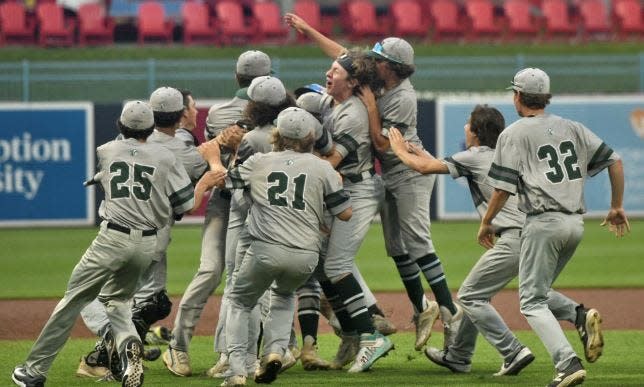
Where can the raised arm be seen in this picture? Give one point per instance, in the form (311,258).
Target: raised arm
(413,157)
(330,47)
(616,218)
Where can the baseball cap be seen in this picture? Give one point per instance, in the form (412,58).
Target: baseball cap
(137,115)
(266,89)
(311,102)
(531,81)
(253,63)
(394,50)
(166,99)
(312,87)
(296,123)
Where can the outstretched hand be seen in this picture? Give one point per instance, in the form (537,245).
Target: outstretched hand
(296,22)
(617,222)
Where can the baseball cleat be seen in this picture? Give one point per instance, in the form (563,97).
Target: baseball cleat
(177,362)
(372,347)
(588,324)
(22,378)
(90,371)
(571,376)
(133,375)
(235,380)
(349,346)
(217,370)
(383,325)
(269,368)
(451,324)
(521,360)
(439,357)
(424,322)
(310,359)
(288,360)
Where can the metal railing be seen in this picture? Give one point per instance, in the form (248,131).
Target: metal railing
(109,81)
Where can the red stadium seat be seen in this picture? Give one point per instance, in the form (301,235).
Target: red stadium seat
(482,19)
(197,25)
(93,25)
(53,28)
(359,20)
(446,19)
(594,17)
(269,21)
(558,21)
(628,18)
(153,24)
(407,18)
(231,24)
(520,20)
(15,25)
(309,10)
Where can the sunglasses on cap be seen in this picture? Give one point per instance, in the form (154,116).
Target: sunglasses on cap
(378,50)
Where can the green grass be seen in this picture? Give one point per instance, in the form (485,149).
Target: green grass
(403,366)
(178,51)
(37,263)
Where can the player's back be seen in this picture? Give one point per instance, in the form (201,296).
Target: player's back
(139,180)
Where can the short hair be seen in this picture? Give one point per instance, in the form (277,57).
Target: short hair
(281,143)
(486,123)
(137,134)
(167,119)
(186,93)
(244,80)
(534,101)
(260,114)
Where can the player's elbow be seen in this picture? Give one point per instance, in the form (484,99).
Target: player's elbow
(345,215)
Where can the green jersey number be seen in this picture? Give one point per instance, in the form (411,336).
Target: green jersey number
(278,185)
(141,185)
(566,156)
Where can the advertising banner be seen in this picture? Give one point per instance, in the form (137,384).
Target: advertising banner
(46,153)
(618,120)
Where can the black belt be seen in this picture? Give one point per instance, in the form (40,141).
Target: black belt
(501,232)
(357,178)
(126,230)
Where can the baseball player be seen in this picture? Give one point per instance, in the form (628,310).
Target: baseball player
(188,123)
(544,160)
(220,124)
(288,188)
(405,212)
(497,266)
(144,187)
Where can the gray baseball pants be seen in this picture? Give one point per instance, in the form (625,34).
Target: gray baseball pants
(109,269)
(548,242)
(280,268)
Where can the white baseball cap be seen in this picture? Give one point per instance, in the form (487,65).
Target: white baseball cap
(394,50)
(166,99)
(531,81)
(297,123)
(137,115)
(268,90)
(311,102)
(253,63)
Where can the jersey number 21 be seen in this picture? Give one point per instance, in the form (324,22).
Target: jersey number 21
(278,185)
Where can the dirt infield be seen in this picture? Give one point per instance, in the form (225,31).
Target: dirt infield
(23,319)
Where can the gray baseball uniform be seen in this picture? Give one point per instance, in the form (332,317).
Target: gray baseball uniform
(495,268)
(223,115)
(545,159)
(143,187)
(288,191)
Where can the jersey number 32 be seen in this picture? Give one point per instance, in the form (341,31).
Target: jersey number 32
(566,156)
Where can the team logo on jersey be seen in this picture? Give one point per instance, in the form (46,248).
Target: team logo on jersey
(289,162)
(133,152)
(637,122)
(550,131)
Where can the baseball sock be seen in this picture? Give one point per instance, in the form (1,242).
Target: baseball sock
(308,312)
(375,310)
(410,275)
(352,297)
(431,267)
(339,309)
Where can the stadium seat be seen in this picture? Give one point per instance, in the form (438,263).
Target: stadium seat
(446,19)
(309,10)
(152,23)
(407,19)
(594,18)
(482,19)
(231,23)
(15,25)
(558,21)
(359,20)
(53,28)
(628,18)
(197,24)
(520,20)
(93,25)
(269,21)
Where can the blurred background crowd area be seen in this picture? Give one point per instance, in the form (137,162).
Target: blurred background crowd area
(232,22)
